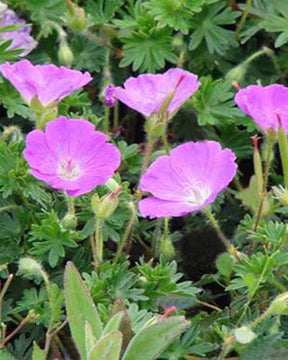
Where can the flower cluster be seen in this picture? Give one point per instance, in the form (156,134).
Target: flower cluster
(71,156)
(21,38)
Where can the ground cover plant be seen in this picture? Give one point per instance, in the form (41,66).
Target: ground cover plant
(143,180)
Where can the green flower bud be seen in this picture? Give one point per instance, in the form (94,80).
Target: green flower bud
(281,194)
(69,222)
(77,18)
(30,267)
(166,248)
(65,54)
(280,305)
(103,208)
(237,73)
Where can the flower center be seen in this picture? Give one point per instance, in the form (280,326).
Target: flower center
(197,193)
(68,169)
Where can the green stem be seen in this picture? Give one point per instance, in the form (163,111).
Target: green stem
(230,248)
(116,116)
(243,18)
(106,119)
(2,294)
(127,232)
(147,156)
(71,205)
(156,237)
(265,181)
(283,146)
(98,242)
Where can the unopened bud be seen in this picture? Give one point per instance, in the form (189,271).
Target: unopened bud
(12,133)
(105,207)
(69,222)
(109,96)
(281,194)
(77,18)
(30,267)
(166,248)
(237,74)
(65,54)
(280,305)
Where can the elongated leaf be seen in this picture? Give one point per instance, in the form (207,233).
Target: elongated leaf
(80,308)
(153,339)
(113,323)
(108,347)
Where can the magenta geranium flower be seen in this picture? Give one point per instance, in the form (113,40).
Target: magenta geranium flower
(21,38)
(147,92)
(265,105)
(187,180)
(48,83)
(71,156)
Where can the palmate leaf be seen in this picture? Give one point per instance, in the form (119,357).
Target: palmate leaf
(174,13)
(102,11)
(278,22)
(148,52)
(214,102)
(49,238)
(208,28)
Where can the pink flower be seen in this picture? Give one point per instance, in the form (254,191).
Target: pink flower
(21,38)
(70,155)
(265,105)
(48,83)
(146,93)
(187,180)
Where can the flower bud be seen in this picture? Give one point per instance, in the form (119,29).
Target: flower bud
(29,267)
(109,96)
(237,73)
(280,305)
(281,194)
(166,248)
(77,18)
(65,54)
(103,208)
(69,222)
(12,133)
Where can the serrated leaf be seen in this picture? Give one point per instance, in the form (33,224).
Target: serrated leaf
(158,336)
(208,28)
(80,308)
(224,264)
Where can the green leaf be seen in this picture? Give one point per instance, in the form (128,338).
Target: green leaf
(113,323)
(208,28)
(148,52)
(174,13)
(214,103)
(80,308)
(102,11)
(38,354)
(224,264)
(108,347)
(50,238)
(158,336)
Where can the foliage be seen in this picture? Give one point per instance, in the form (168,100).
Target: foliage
(120,308)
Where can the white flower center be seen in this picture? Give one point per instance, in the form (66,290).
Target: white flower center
(68,169)
(197,193)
